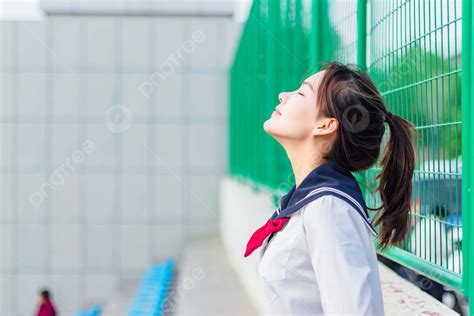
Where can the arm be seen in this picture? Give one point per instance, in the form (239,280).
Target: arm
(335,236)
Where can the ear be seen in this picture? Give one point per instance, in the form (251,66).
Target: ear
(325,126)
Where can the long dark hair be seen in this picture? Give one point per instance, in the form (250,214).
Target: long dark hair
(349,95)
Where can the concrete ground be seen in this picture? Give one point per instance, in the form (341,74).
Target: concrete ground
(207,284)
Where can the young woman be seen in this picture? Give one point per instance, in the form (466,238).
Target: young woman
(316,254)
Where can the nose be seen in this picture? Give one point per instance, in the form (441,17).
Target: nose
(282,96)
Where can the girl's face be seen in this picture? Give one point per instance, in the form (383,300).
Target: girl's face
(297,117)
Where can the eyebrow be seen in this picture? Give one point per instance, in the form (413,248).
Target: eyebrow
(309,85)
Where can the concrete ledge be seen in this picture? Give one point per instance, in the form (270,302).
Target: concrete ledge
(403,298)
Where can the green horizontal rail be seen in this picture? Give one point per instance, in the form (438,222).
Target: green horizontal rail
(426,268)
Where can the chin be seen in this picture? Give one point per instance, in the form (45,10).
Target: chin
(273,131)
(267,127)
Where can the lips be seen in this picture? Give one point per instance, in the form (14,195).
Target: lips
(277,112)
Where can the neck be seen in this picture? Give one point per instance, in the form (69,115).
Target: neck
(303,159)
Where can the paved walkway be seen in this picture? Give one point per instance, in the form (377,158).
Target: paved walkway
(119,303)
(207,284)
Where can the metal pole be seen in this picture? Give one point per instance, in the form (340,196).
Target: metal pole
(467,137)
(362,34)
(316,35)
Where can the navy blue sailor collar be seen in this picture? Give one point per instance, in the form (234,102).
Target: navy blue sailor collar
(326,179)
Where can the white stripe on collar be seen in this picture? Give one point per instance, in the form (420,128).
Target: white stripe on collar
(343,194)
(336,191)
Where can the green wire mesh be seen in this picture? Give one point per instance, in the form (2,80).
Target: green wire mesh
(340,31)
(272,57)
(415,62)
(413,54)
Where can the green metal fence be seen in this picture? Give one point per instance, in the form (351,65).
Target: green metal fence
(415,60)
(412,51)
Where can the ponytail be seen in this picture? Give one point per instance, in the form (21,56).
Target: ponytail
(395,182)
(345,92)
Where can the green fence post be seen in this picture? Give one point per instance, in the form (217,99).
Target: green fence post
(362,63)
(230,122)
(467,137)
(270,77)
(362,34)
(315,51)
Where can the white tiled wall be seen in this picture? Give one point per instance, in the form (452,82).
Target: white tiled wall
(141,192)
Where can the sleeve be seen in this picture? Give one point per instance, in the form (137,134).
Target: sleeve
(335,239)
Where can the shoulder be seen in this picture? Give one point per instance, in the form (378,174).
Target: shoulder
(332,217)
(327,207)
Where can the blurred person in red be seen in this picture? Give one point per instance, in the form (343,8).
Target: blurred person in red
(46,307)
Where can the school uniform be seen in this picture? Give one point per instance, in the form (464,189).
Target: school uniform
(316,255)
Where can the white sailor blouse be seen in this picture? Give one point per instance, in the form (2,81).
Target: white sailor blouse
(316,254)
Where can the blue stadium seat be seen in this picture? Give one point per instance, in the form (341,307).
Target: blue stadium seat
(151,295)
